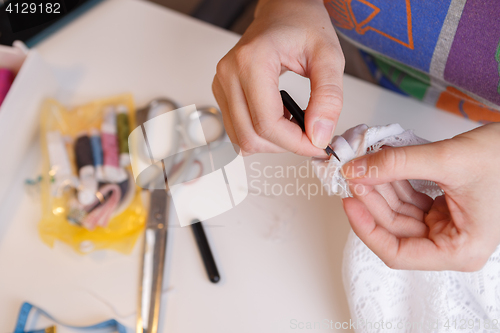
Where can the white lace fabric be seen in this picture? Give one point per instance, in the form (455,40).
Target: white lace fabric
(422,301)
(405,300)
(361,140)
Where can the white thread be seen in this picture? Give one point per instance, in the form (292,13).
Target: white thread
(114,309)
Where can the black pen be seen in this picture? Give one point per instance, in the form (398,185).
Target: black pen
(298,115)
(206,253)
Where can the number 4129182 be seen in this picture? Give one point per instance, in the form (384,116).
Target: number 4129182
(33,8)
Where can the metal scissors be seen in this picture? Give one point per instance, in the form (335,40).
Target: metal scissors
(155,236)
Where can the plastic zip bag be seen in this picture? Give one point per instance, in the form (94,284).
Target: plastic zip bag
(89,198)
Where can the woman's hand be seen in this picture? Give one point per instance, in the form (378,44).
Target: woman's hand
(408,230)
(294,35)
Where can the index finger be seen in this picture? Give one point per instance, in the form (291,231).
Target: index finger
(426,162)
(266,110)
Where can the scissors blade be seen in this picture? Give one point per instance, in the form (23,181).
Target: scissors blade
(329,150)
(153,263)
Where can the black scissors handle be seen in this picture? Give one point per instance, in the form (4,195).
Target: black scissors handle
(205,251)
(294,109)
(298,115)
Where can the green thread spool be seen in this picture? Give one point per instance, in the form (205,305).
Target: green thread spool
(123,131)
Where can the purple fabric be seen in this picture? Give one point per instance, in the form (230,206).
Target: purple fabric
(471,63)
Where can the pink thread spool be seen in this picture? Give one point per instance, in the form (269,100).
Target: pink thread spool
(6,79)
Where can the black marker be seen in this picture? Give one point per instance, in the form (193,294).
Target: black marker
(206,253)
(298,115)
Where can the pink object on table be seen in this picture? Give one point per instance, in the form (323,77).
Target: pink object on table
(6,79)
(110,149)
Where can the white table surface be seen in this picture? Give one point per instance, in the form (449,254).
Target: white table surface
(279,256)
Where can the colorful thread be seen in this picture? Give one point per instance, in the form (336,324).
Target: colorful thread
(112,171)
(97,154)
(123,128)
(86,170)
(100,215)
(109,138)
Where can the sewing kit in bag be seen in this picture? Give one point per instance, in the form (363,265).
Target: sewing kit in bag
(89,198)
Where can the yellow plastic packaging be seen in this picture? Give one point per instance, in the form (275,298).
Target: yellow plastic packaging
(124,228)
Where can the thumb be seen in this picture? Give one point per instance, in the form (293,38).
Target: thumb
(412,162)
(325,70)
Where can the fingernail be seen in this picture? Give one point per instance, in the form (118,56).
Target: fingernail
(322,133)
(355,169)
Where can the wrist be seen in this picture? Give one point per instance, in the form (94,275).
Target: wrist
(265,5)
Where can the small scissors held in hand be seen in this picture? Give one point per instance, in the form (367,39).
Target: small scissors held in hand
(298,115)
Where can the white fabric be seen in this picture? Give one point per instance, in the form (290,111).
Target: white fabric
(361,140)
(407,301)
(419,299)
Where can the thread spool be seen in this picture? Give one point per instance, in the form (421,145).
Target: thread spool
(123,127)
(86,170)
(113,173)
(97,154)
(100,214)
(60,167)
